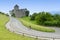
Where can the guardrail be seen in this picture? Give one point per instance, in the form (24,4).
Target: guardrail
(25,34)
(38,37)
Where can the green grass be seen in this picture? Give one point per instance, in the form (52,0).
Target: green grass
(6,34)
(27,23)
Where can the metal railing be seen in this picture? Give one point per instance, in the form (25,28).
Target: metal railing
(37,37)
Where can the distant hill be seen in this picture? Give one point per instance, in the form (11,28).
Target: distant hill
(55,12)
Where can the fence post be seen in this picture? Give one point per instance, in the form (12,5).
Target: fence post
(23,34)
(53,39)
(36,37)
(30,27)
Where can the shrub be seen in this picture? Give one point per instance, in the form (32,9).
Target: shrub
(33,16)
(27,13)
(13,14)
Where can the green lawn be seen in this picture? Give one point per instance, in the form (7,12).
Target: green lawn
(7,35)
(27,23)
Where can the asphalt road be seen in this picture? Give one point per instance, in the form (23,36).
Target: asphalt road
(16,26)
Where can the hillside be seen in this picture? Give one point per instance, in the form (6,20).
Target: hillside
(26,21)
(7,35)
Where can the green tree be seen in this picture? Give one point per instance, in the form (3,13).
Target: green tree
(1,13)
(27,13)
(33,16)
(46,18)
(43,16)
(13,14)
(49,16)
(56,17)
(40,18)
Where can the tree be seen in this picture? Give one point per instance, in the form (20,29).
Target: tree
(13,14)
(33,16)
(1,13)
(46,18)
(27,13)
(56,17)
(40,18)
(43,17)
(49,16)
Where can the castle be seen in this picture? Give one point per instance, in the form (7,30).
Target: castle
(18,12)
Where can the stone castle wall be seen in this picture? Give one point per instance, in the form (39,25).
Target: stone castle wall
(19,12)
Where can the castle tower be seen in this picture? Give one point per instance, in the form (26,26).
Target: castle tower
(18,12)
(16,7)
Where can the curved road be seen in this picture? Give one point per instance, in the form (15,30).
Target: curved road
(16,26)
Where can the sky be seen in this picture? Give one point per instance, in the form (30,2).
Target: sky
(32,5)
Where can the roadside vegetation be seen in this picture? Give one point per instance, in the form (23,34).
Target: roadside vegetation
(46,19)
(41,21)
(32,25)
(6,34)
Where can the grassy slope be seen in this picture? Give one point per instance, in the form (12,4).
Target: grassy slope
(27,22)
(6,35)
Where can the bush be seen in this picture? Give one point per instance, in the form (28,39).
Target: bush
(47,19)
(58,23)
(33,16)
(50,23)
(35,27)
(27,13)
(13,15)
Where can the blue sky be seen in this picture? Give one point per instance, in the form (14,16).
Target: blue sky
(31,5)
